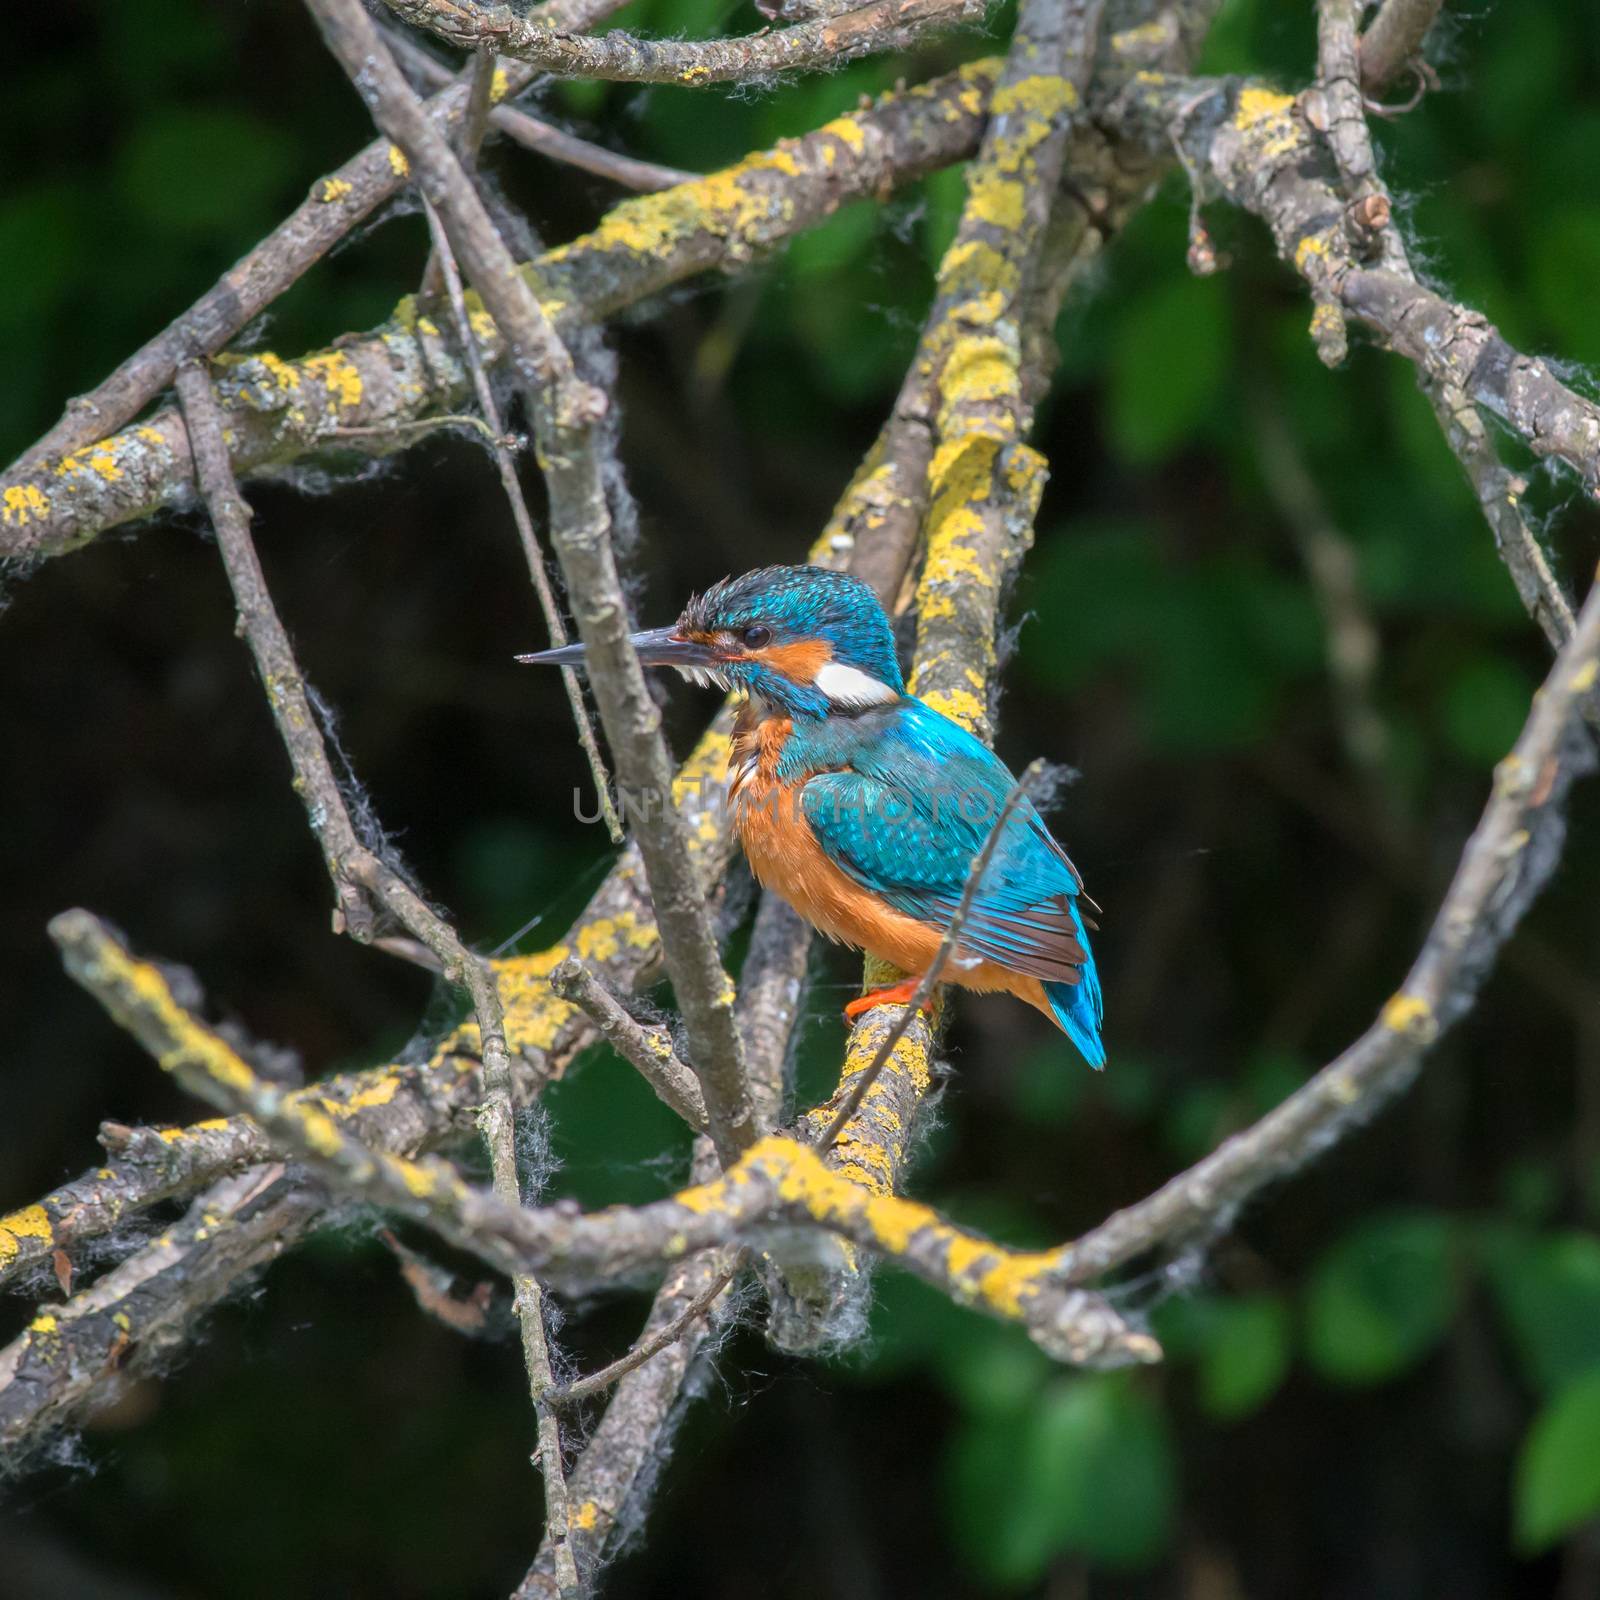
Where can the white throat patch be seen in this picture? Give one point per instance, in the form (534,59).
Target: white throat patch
(706,677)
(850,686)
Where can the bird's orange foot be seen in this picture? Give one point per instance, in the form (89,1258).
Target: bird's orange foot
(899,994)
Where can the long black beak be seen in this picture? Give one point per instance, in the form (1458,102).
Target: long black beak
(660,647)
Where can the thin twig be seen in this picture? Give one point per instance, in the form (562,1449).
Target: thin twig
(598,1381)
(544,138)
(1393,40)
(468,140)
(506,465)
(448,419)
(651,1053)
(364,885)
(497,1121)
(621,57)
(929,980)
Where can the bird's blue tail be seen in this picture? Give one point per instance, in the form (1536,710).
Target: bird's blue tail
(1079,1008)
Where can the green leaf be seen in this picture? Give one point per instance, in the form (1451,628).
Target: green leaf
(1245,1355)
(995,1367)
(1549,1294)
(1380,1299)
(1168,365)
(1089,1469)
(1558,1468)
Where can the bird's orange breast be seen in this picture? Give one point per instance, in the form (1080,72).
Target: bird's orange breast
(785,857)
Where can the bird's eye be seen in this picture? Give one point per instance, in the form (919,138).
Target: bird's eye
(757,635)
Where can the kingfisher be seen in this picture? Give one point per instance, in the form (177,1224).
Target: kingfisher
(865,807)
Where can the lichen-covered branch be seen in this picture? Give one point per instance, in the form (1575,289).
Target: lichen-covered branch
(825,42)
(337,204)
(1263,150)
(278,411)
(984,479)
(72,1357)
(1509,858)
(777,1183)
(964,401)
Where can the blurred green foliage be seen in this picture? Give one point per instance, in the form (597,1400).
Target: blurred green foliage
(1421,1330)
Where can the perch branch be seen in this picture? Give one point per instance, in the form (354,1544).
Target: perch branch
(778,1182)
(623,57)
(962,415)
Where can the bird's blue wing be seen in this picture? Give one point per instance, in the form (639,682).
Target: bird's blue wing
(908,815)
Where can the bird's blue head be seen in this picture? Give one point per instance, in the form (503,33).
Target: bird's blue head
(808,641)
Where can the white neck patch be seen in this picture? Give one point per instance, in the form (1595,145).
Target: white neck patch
(849,686)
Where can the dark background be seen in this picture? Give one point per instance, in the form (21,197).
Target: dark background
(1386,1381)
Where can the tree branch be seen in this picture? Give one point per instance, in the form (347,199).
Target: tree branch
(778,1182)
(618,56)
(278,411)
(72,1357)
(1262,150)
(649,1050)
(566,411)
(337,204)
(401,1107)
(1507,861)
